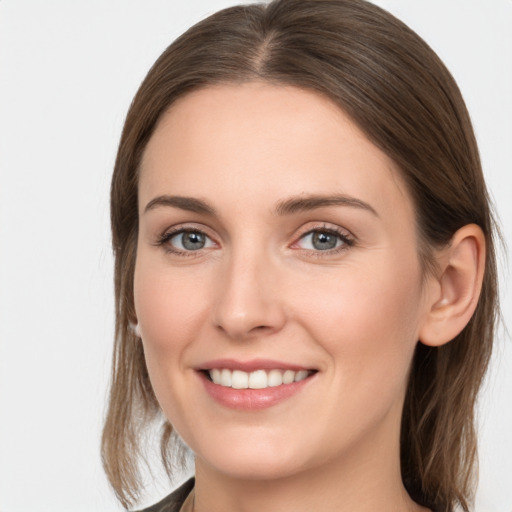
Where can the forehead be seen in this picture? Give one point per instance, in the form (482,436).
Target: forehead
(268,139)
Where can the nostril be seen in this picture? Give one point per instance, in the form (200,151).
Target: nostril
(262,329)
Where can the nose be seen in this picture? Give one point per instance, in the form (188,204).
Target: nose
(248,302)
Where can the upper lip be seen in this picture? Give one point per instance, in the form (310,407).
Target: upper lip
(252,365)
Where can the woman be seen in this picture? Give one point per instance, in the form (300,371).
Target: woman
(305,272)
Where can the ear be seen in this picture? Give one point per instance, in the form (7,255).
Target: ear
(452,300)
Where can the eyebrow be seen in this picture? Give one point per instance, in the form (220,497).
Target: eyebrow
(286,207)
(312,202)
(190,204)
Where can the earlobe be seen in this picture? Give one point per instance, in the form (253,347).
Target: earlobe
(135,329)
(458,287)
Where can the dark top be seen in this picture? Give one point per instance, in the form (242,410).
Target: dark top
(174,501)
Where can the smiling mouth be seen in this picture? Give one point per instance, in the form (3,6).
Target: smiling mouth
(258,379)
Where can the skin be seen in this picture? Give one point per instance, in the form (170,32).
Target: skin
(260,289)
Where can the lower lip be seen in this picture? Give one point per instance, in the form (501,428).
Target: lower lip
(252,399)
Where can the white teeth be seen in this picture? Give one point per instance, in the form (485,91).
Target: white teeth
(259,379)
(275,378)
(288,377)
(225,378)
(239,380)
(300,375)
(215,375)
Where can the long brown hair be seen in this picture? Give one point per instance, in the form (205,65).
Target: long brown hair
(391,83)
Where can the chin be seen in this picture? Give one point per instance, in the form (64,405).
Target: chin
(241,468)
(249,459)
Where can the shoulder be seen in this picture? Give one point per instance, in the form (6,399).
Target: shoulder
(174,501)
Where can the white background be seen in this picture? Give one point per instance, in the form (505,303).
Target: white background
(68,71)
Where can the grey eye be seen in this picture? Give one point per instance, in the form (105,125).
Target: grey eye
(324,241)
(321,241)
(190,241)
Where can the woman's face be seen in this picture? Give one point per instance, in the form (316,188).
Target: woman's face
(276,244)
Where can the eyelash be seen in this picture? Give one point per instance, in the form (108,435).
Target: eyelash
(346,241)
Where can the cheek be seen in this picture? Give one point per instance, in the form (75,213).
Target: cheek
(367,320)
(171,312)
(167,304)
